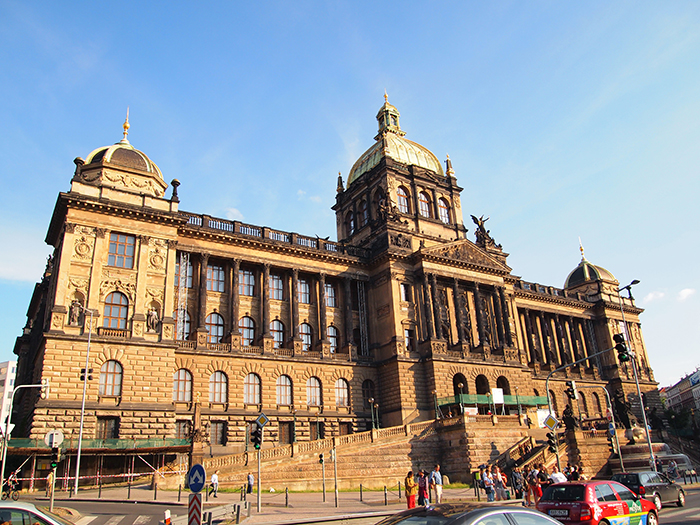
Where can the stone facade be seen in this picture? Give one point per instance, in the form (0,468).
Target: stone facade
(199,323)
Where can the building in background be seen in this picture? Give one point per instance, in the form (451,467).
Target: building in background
(8,371)
(197,324)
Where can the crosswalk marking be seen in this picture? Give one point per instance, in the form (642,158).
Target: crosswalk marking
(141,520)
(85,520)
(114,520)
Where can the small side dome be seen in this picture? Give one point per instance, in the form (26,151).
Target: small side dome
(586,272)
(125,155)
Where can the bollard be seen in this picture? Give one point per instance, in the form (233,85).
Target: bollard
(386,496)
(99,490)
(244,496)
(209,518)
(238,513)
(128,491)
(155,489)
(360,492)
(179,492)
(286,496)
(206,490)
(399,490)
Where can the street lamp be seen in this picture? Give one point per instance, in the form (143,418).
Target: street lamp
(376,409)
(371,409)
(82,406)
(652,463)
(488,396)
(461,401)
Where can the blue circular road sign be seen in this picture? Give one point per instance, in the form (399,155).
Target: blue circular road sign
(196,478)
(611,429)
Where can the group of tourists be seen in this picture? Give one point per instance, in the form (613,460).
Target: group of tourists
(494,482)
(536,479)
(421,484)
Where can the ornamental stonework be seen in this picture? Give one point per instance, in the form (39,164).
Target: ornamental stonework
(117,285)
(84,243)
(157,254)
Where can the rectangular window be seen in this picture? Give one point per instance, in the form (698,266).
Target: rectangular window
(182,429)
(121,250)
(304,292)
(215,278)
(246,283)
(177,274)
(276,287)
(406,295)
(218,432)
(107,428)
(331,300)
(410,340)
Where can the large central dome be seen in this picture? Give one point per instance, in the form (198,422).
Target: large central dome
(390,142)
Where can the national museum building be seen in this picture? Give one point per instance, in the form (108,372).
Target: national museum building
(195,325)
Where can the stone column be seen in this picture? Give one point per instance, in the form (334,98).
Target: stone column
(557,344)
(529,333)
(295,304)
(436,307)
(265,300)
(427,308)
(506,317)
(572,337)
(322,306)
(479,314)
(436,208)
(540,335)
(202,303)
(347,308)
(235,297)
(458,312)
(499,319)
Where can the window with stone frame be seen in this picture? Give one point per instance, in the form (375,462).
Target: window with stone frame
(107,428)
(111,379)
(188,282)
(313,392)
(406,293)
(218,387)
(217,432)
(182,386)
(350,223)
(306,334)
(444,210)
(284,391)
(333,338)
(184,333)
(342,393)
(121,250)
(215,278)
(246,283)
(403,200)
(115,311)
(277,331)
(409,339)
(367,393)
(363,214)
(251,390)
(331,297)
(276,287)
(304,291)
(182,429)
(424,204)
(215,326)
(247,327)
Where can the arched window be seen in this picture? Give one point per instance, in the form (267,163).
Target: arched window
(183,333)
(350,223)
(218,387)
(424,204)
(584,404)
(251,390)
(111,379)
(482,385)
(215,325)
(116,305)
(502,382)
(306,336)
(247,327)
(182,386)
(599,408)
(363,215)
(403,202)
(367,393)
(277,330)
(456,381)
(284,391)
(313,392)
(333,338)
(342,393)
(444,209)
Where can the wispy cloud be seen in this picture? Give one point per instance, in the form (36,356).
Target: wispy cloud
(233,214)
(686,293)
(653,296)
(300,194)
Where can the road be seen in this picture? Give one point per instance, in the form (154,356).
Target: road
(684,515)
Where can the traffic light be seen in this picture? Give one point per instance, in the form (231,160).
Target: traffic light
(256,437)
(44,389)
(571,392)
(611,444)
(621,347)
(552,441)
(89,374)
(321,457)
(55,457)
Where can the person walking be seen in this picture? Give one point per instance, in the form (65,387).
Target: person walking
(423,497)
(488,485)
(251,482)
(411,490)
(214,484)
(436,483)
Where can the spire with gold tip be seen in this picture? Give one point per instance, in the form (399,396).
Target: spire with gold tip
(126,127)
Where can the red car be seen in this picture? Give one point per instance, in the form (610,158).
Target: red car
(596,502)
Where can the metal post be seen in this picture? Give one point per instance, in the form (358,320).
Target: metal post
(82,406)
(335,474)
(360,492)
(323,470)
(286,496)
(53,489)
(386,496)
(259,485)
(179,492)
(371,409)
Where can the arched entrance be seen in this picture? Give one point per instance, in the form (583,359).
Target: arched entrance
(503,383)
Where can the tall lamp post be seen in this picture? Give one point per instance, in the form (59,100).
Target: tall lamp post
(371,409)
(461,400)
(376,410)
(652,463)
(82,406)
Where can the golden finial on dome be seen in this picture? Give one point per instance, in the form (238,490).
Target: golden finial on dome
(386,97)
(580,247)
(126,125)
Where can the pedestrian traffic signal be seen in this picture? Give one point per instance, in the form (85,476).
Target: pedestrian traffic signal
(256,437)
(89,374)
(621,347)
(552,441)
(571,392)
(321,457)
(55,457)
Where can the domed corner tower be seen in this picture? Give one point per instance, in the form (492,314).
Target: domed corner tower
(120,167)
(397,195)
(589,279)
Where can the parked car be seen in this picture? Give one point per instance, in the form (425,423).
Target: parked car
(468,514)
(20,513)
(654,486)
(596,502)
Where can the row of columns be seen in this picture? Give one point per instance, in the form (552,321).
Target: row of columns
(554,338)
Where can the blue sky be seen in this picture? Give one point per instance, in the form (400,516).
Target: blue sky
(562,120)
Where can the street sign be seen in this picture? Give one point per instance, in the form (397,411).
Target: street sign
(551,422)
(53,438)
(194,508)
(262,420)
(196,478)
(611,429)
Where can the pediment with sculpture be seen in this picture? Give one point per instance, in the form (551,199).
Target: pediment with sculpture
(465,251)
